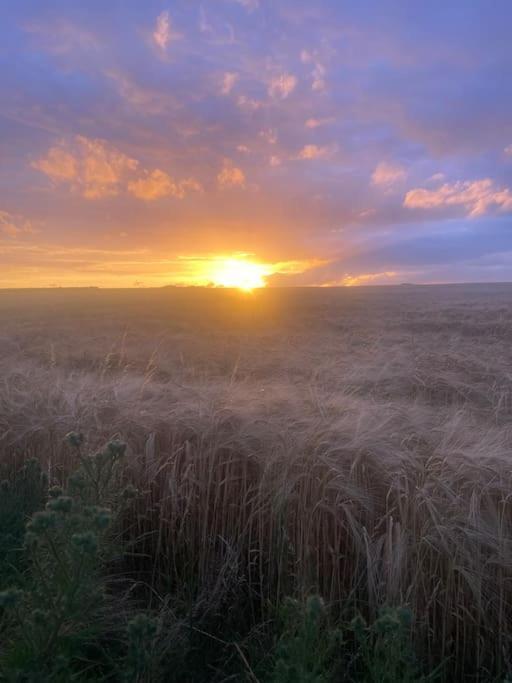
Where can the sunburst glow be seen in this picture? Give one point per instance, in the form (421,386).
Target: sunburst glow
(240,274)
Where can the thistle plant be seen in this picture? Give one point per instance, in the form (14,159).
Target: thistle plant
(307,647)
(51,623)
(384,652)
(21,494)
(140,662)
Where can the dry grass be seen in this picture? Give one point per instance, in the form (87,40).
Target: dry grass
(355,442)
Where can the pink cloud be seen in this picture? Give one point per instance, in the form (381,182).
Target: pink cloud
(282,86)
(163,33)
(476,197)
(319,71)
(248,104)
(386,174)
(228,81)
(316,123)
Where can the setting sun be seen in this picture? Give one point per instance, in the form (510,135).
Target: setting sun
(239,273)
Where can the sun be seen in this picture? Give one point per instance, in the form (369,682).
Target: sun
(239,273)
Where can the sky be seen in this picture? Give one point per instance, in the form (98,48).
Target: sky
(328,142)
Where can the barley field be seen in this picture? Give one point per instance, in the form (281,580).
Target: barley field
(351,443)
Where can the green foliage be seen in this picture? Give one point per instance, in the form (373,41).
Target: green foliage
(51,628)
(307,646)
(384,652)
(20,496)
(141,661)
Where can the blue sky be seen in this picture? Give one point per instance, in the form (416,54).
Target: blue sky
(348,142)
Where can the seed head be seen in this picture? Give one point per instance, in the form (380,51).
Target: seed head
(86,542)
(77,481)
(102,518)
(42,521)
(75,439)
(63,504)
(129,492)
(31,540)
(116,448)
(55,491)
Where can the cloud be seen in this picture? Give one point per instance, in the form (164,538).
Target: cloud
(386,175)
(269,135)
(365,278)
(228,81)
(248,104)
(316,123)
(163,33)
(250,5)
(319,71)
(274,161)
(230,176)
(15,225)
(476,197)
(219,32)
(91,167)
(57,165)
(508,150)
(437,177)
(316,152)
(137,96)
(62,37)
(282,86)
(157,184)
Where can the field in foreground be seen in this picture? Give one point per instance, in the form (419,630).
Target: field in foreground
(348,443)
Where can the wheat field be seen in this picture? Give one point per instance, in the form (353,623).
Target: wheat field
(354,442)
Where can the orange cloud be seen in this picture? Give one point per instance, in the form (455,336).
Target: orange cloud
(477,197)
(92,167)
(316,152)
(57,165)
(230,176)
(365,278)
(15,225)
(157,184)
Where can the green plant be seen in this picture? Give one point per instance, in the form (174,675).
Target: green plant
(308,646)
(51,626)
(21,494)
(383,650)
